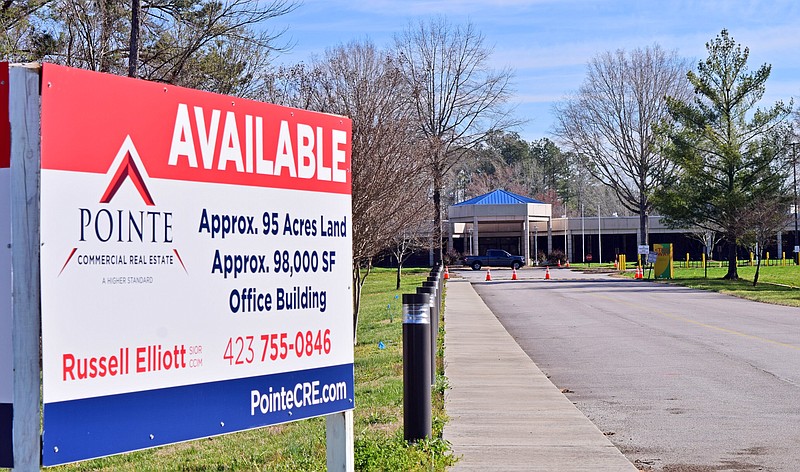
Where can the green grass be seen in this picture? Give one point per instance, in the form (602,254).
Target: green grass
(776,284)
(378,415)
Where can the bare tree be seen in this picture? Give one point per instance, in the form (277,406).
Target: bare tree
(413,237)
(759,223)
(179,34)
(610,122)
(504,177)
(456,97)
(92,34)
(363,83)
(204,44)
(706,237)
(290,85)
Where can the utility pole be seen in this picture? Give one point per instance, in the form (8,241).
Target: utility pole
(794,172)
(583,236)
(599,238)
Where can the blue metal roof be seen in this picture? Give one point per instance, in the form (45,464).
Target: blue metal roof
(498,197)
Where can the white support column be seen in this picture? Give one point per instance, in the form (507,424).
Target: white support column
(24,115)
(339,442)
(599,237)
(526,238)
(475,246)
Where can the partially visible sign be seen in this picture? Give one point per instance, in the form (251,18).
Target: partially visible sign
(643,249)
(5,126)
(652,257)
(195,264)
(6,362)
(797,249)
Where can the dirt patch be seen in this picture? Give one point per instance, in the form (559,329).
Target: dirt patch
(597,271)
(733,466)
(752,451)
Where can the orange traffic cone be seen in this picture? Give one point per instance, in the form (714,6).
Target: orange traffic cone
(567,264)
(616,266)
(639,272)
(547,273)
(559,263)
(488,275)
(446,273)
(513,274)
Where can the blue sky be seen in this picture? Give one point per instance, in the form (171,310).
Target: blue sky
(549,42)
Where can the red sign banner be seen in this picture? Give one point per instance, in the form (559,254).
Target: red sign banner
(184,134)
(5,127)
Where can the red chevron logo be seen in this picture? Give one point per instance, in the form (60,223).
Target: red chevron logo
(128,165)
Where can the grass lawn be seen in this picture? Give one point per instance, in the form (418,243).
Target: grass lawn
(776,284)
(378,415)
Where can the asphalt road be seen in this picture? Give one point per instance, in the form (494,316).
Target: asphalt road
(680,380)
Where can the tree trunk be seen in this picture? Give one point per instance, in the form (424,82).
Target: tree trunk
(643,233)
(758,267)
(358,284)
(733,271)
(438,255)
(133,52)
(106,25)
(356,299)
(399,273)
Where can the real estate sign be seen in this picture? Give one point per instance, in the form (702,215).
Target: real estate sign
(663,266)
(6,362)
(195,264)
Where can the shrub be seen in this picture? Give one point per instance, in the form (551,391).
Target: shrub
(556,256)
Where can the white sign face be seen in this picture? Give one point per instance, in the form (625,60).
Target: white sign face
(6,360)
(194,280)
(643,249)
(797,249)
(6,366)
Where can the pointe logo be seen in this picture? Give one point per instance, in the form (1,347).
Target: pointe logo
(102,224)
(129,166)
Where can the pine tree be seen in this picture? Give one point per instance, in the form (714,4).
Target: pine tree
(727,151)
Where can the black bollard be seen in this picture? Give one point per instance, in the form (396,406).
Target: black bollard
(434,310)
(417,421)
(437,304)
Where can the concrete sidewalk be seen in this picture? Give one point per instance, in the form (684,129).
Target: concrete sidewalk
(504,412)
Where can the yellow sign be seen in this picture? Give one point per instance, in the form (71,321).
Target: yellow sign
(663,268)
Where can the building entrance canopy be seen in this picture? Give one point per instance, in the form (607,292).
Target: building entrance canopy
(498,214)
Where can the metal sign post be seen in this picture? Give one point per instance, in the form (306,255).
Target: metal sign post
(24,120)
(6,358)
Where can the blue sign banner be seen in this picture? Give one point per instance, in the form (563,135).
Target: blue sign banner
(100,426)
(6,442)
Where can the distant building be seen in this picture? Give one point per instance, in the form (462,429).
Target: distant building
(522,225)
